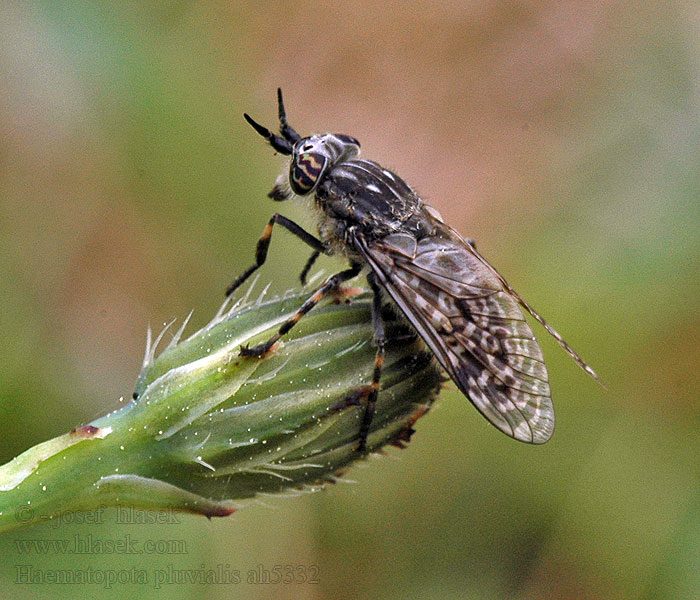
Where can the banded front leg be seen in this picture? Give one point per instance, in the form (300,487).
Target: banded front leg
(331,284)
(264,244)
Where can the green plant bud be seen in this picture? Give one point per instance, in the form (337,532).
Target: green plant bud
(208,427)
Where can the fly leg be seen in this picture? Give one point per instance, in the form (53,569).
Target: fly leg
(328,286)
(264,244)
(369,392)
(308,265)
(379,339)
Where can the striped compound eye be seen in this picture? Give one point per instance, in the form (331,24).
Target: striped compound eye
(305,171)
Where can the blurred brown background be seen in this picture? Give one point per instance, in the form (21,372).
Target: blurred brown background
(561,136)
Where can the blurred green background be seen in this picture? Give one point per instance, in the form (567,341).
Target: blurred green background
(562,136)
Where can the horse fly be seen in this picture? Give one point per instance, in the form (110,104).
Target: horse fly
(462,308)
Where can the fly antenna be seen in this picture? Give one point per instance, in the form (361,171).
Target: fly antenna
(280,144)
(286,130)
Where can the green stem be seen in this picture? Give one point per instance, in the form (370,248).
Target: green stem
(210,427)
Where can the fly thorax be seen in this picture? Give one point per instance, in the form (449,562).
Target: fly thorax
(331,228)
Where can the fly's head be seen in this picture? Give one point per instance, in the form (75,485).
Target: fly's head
(311,157)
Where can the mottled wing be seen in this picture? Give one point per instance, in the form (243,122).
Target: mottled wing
(472,322)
